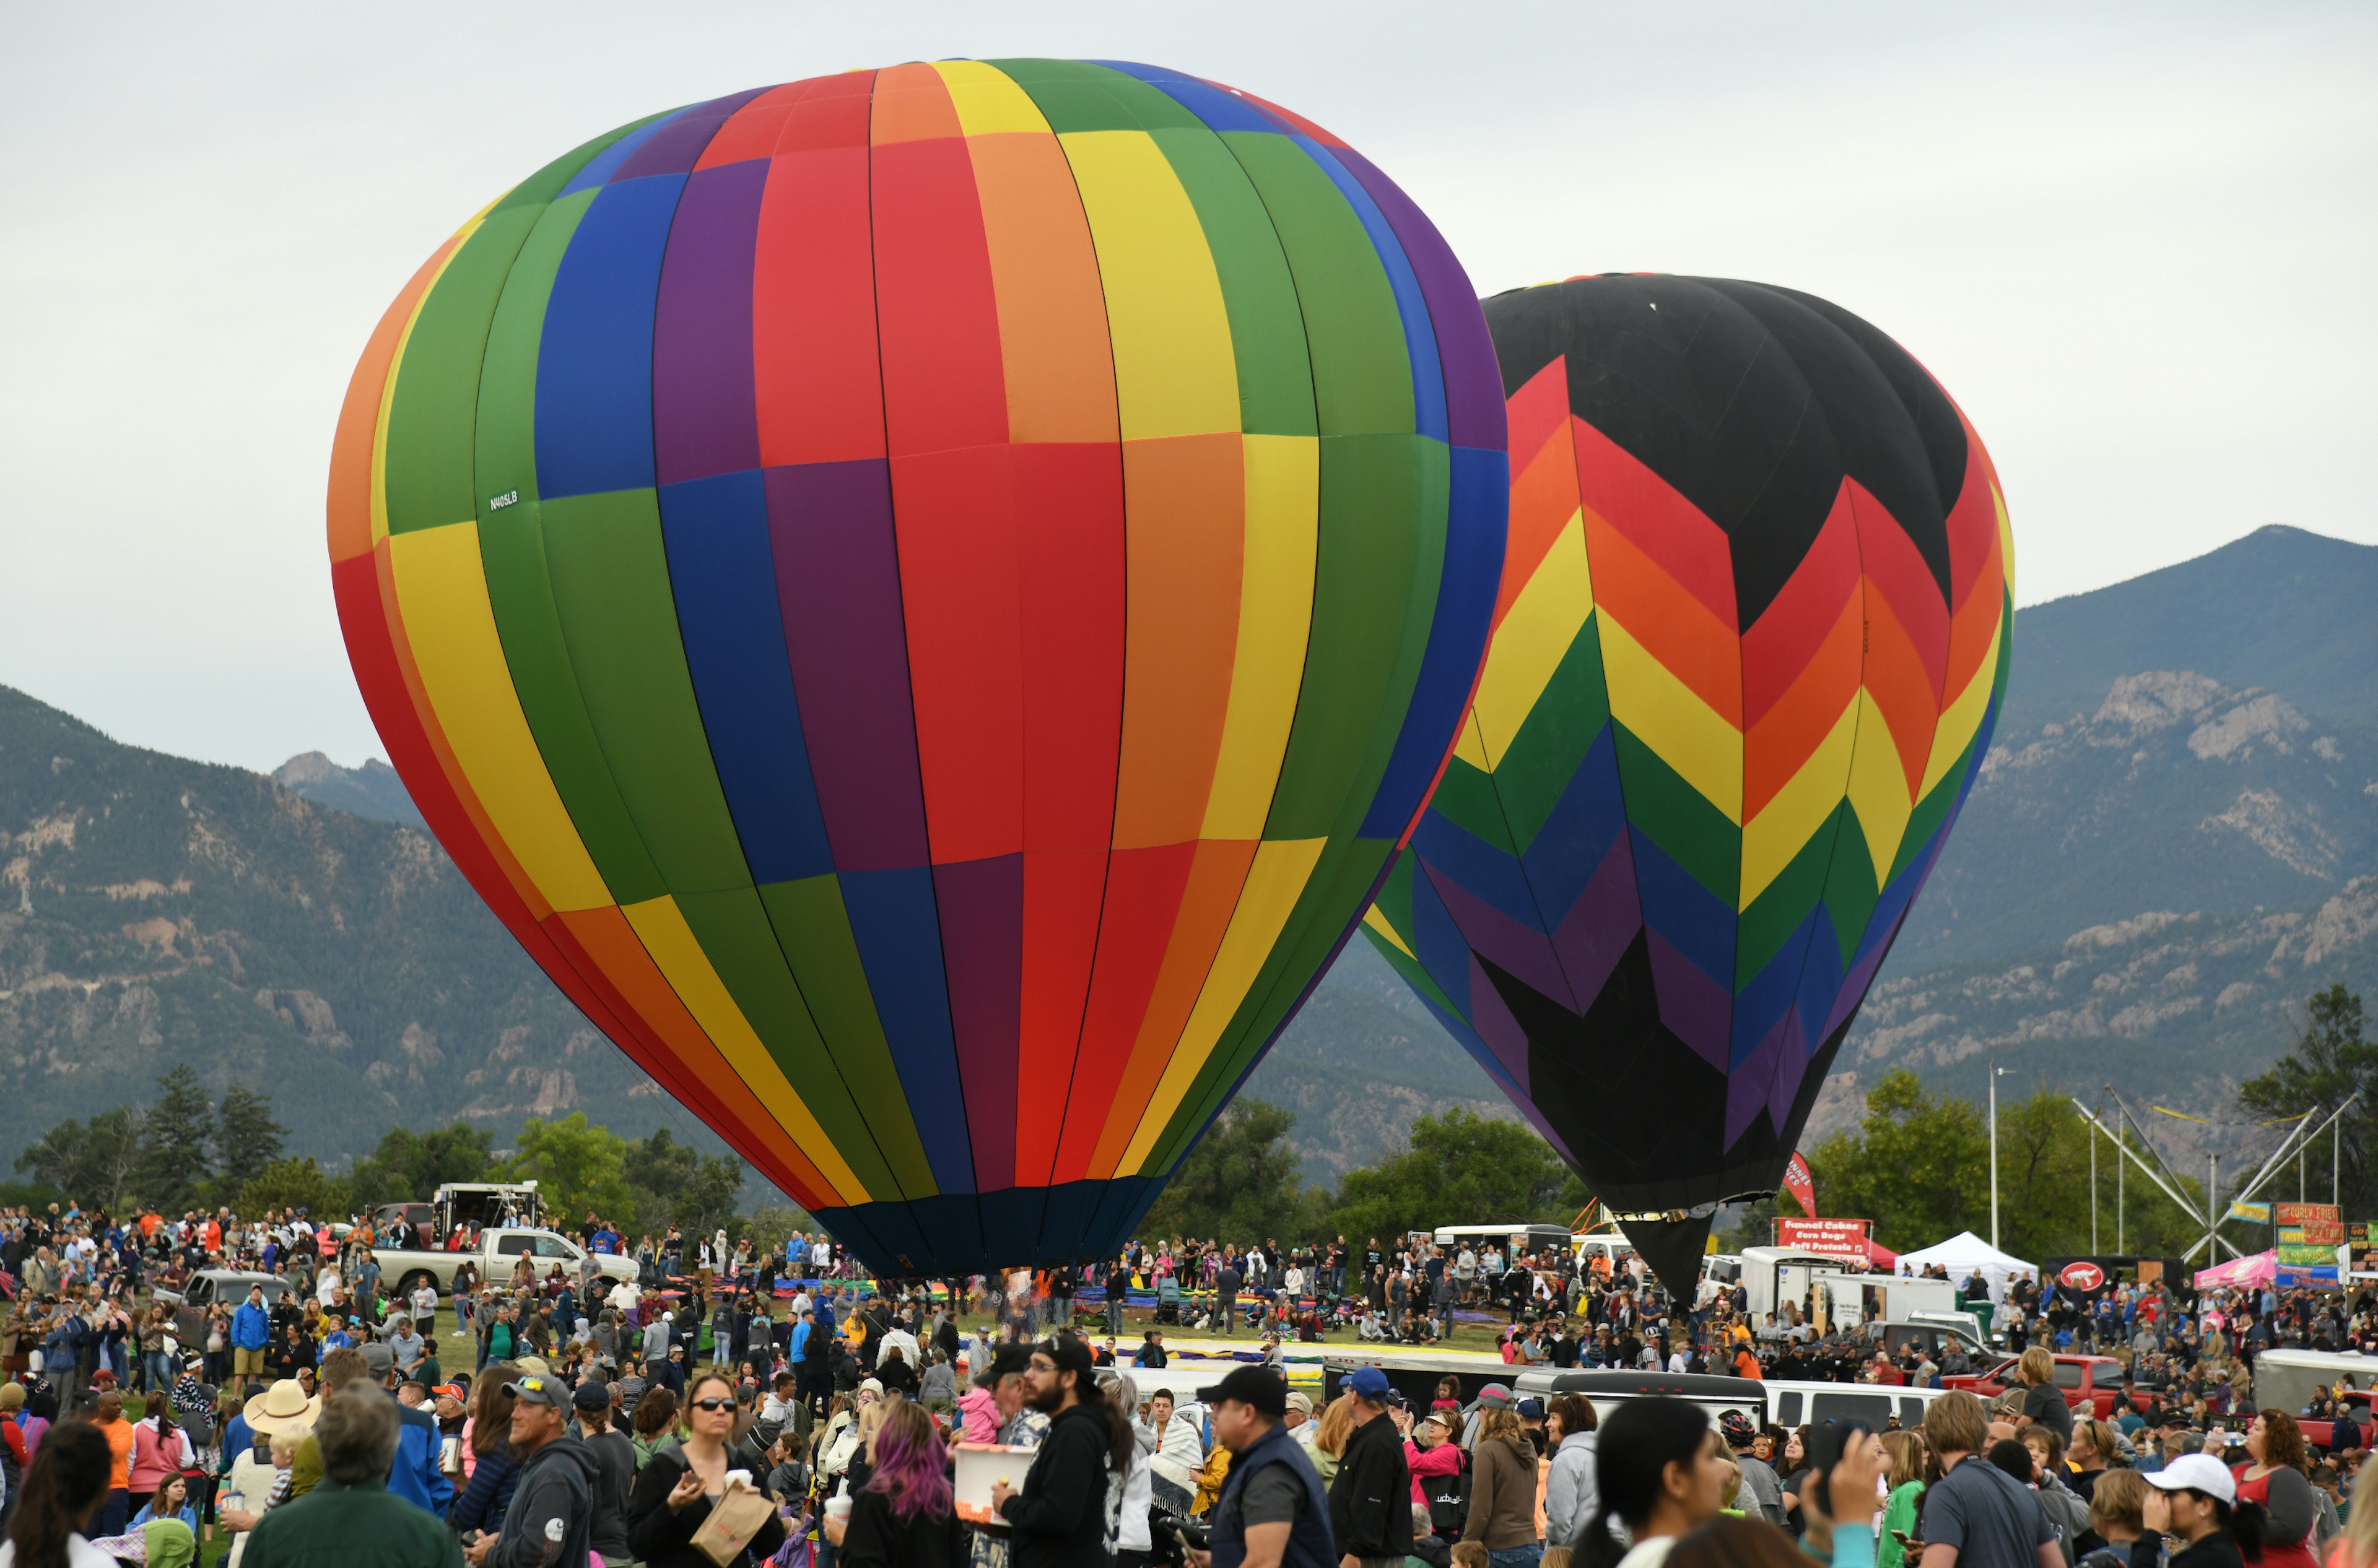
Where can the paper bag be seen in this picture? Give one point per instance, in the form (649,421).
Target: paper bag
(735,1518)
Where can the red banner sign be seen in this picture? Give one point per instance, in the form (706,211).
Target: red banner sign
(2314,1233)
(1801,1185)
(2306,1213)
(1839,1238)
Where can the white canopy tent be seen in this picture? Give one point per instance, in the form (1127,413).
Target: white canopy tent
(1964,1253)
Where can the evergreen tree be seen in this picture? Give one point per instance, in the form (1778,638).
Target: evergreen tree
(2333,1057)
(177,1142)
(246,1137)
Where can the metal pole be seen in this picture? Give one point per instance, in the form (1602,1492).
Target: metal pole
(2092,1188)
(2213,1207)
(2166,1179)
(2170,1176)
(2337,1164)
(2119,1174)
(2304,1130)
(1994,1154)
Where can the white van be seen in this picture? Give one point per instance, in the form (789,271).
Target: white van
(1514,1240)
(1611,1246)
(1862,1297)
(1603,1387)
(1772,1276)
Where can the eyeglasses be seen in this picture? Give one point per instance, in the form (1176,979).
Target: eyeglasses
(712,1404)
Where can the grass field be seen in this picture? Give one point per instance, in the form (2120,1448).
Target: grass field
(457,1350)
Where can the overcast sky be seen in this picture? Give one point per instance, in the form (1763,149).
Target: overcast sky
(2138,244)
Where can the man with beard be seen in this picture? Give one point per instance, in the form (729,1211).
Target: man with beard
(1059,1515)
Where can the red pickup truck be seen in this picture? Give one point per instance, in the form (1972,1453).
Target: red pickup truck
(2089,1382)
(2318,1433)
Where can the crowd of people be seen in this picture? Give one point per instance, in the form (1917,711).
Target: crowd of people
(772,1403)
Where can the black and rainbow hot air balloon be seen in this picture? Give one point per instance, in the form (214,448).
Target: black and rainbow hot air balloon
(928,599)
(1750,641)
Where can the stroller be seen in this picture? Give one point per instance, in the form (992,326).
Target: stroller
(1167,1300)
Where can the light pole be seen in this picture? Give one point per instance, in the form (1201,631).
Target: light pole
(1995,1074)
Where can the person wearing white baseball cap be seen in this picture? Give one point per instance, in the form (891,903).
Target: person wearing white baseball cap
(2195,1497)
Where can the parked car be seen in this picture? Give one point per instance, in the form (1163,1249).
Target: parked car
(1875,1405)
(497,1253)
(200,1292)
(1416,1373)
(2320,1434)
(1930,1338)
(2086,1380)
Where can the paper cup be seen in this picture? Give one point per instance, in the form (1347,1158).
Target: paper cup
(837,1508)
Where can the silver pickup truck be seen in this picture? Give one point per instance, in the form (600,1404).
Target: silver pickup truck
(498,1253)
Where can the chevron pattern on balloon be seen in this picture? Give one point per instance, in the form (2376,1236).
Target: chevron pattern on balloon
(1752,630)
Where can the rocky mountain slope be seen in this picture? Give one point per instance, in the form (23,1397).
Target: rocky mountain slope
(2281,608)
(2174,1007)
(2172,792)
(372,790)
(154,910)
(2175,838)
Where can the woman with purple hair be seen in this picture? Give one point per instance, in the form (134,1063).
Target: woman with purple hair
(904,1516)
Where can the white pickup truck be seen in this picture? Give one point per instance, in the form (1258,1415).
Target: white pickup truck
(498,1253)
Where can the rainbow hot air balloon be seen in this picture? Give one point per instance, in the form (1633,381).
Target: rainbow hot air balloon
(1752,637)
(928,599)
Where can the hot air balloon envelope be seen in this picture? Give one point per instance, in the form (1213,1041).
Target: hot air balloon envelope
(927,600)
(1750,639)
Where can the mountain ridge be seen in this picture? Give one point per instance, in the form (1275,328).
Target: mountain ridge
(2176,783)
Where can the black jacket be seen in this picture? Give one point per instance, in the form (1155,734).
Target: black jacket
(1060,1514)
(615,1480)
(552,1508)
(1370,1500)
(659,1538)
(879,1539)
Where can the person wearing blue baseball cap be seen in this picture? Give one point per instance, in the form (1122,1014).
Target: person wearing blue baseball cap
(1370,1500)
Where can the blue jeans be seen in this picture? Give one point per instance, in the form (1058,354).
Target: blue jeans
(1526,1556)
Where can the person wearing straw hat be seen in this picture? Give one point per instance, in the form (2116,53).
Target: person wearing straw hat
(283,1406)
(286,1404)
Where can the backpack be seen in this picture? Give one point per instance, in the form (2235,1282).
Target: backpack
(1448,1499)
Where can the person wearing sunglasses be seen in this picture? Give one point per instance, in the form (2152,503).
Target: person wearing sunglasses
(677,1486)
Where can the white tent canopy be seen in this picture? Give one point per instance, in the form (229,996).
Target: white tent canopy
(1964,1253)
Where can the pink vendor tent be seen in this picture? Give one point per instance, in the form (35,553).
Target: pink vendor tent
(2258,1269)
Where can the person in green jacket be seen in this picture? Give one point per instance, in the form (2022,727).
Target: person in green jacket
(351,1517)
(1905,1452)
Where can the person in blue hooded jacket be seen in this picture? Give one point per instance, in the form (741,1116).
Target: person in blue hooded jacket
(414,1476)
(251,1328)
